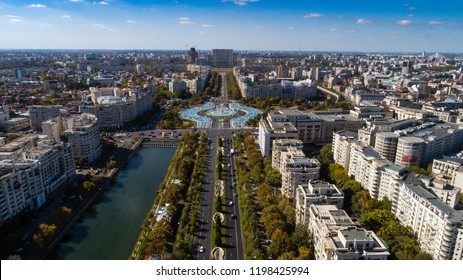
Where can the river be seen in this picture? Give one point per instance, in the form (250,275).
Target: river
(110,231)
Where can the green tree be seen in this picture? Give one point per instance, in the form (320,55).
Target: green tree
(46,234)
(416,169)
(273,178)
(111,164)
(63,214)
(88,185)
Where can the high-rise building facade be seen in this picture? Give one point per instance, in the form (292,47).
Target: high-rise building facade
(39,114)
(81,131)
(223,58)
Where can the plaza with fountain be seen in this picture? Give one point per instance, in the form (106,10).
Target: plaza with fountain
(237,114)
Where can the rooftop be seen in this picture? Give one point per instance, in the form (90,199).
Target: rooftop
(413,182)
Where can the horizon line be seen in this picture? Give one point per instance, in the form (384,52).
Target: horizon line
(234,50)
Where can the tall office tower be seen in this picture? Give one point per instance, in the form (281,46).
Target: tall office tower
(423,54)
(192,55)
(222,58)
(406,67)
(282,71)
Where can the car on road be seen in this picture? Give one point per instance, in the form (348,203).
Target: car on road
(233,216)
(201,249)
(235,194)
(231,203)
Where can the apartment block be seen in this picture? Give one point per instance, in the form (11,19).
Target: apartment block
(446,166)
(295,168)
(81,131)
(39,114)
(26,181)
(316,192)
(336,237)
(283,145)
(437,226)
(342,141)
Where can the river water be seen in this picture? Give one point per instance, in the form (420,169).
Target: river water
(109,232)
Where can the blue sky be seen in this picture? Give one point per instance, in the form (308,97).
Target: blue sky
(307,25)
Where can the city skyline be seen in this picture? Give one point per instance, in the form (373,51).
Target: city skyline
(363,26)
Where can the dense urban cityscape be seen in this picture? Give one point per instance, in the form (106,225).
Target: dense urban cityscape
(275,155)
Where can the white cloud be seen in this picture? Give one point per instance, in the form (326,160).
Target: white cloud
(103,3)
(312,15)
(184,18)
(185,22)
(240,2)
(333,29)
(76,1)
(207,25)
(412,8)
(410,15)
(65,16)
(104,27)
(363,21)
(15,20)
(435,22)
(291,28)
(404,22)
(351,31)
(36,6)
(100,25)
(130,21)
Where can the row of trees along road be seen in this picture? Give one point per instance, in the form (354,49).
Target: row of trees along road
(173,236)
(268,221)
(372,214)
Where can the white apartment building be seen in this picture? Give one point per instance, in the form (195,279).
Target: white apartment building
(22,187)
(336,237)
(269,131)
(81,131)
(53,128)
(390,178)
(175,85)
(56,162)
(446,166)
(365,166)
(437,226)
(386,144)
(26,181)
(342,141)
(316,192)
(282,145)
(295,168)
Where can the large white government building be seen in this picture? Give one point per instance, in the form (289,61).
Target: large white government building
(117,107)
